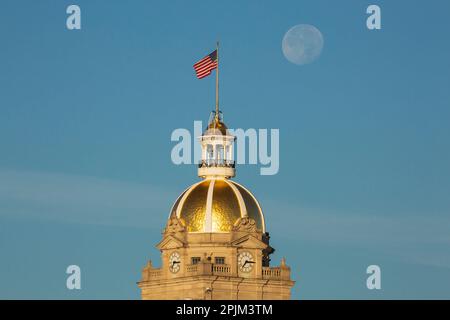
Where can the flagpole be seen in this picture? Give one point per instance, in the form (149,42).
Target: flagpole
(217,82)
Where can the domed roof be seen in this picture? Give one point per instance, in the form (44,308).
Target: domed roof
(215,205)
(216,127)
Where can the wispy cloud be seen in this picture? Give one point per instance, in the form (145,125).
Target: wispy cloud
(418,239)
(89,200)
(82,199)
(347,227)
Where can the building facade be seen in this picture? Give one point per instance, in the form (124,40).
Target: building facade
(215,244)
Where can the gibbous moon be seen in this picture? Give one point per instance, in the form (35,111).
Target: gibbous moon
(302,44)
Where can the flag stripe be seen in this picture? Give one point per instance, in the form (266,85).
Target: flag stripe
(204,66)
(201,61)
(207,68)
(207,62)
(201,77)
(209,65)
(205,72)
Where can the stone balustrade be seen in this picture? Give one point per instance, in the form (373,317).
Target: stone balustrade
(191,268)
(221,269)
(269,273)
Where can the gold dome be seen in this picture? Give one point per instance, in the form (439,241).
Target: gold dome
(216,127)
(215,205)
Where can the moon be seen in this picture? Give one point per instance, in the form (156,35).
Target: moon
(302,44)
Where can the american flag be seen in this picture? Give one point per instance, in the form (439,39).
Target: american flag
(204,67)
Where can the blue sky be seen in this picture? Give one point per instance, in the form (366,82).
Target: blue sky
(86,118)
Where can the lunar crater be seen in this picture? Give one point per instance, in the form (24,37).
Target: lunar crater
(302,44)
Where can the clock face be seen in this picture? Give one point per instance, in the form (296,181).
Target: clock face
(174,262)
(245,261)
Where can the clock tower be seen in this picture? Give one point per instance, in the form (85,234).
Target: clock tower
(215,244)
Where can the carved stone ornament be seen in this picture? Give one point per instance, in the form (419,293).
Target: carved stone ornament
(174,225)
(245,224)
